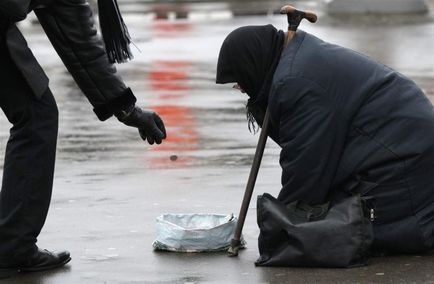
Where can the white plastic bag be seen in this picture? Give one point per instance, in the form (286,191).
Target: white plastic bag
(195,232)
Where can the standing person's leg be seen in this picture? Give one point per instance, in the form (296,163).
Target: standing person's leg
(28,167)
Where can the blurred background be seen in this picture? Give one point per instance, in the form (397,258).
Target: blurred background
(109,186)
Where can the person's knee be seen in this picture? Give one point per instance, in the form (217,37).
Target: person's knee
(46,116)
(30,111)
(39,119)
(52,115)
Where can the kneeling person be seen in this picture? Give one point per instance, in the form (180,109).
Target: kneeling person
(342,120)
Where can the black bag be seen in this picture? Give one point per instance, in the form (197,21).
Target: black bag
(336,234)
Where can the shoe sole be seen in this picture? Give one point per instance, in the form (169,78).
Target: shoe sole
(36,269)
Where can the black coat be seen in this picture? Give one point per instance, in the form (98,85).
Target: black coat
(345,121)
(71,29)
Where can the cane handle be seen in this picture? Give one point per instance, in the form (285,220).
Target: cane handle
(296,16)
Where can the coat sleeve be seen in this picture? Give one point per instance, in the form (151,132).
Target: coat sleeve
(312,135)
(14,10)
(70,26)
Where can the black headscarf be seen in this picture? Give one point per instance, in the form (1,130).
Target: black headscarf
(249,56)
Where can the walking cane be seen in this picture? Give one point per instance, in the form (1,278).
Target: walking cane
(294,18)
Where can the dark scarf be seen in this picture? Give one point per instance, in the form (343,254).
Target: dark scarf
(249,56)
(114,32)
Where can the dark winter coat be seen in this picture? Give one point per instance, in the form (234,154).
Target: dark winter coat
(345,121)
(71,29)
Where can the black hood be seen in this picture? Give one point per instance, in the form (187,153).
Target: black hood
(249,56)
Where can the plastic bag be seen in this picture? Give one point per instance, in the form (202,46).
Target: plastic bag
(195,232)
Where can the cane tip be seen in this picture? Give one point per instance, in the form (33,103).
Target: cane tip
(233,251)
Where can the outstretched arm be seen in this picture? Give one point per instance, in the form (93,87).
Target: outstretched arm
(70,26)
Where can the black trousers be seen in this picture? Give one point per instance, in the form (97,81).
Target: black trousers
(29,162)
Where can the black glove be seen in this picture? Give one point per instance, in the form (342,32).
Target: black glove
(150,125)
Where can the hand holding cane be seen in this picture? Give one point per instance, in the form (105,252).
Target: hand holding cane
(294,18)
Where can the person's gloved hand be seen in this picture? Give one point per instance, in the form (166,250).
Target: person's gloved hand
(150,125)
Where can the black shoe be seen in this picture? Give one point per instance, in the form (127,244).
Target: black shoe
(44,260)
(39,261)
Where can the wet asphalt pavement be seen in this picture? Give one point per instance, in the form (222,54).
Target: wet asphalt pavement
(110,186)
